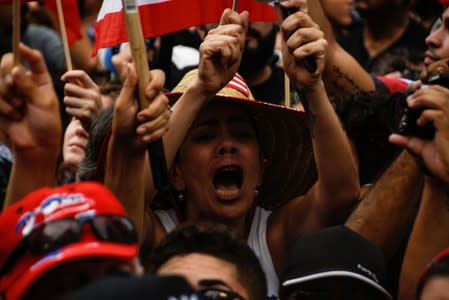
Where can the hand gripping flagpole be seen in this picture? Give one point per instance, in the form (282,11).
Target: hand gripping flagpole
(138,50)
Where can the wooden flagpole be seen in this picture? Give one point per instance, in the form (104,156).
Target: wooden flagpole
(63,32)
(16,17)
(287,95)
(139,55)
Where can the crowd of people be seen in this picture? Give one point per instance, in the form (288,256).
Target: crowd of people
(340,191)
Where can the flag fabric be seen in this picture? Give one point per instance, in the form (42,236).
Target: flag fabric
(71,18)
(160,17)
(4,2)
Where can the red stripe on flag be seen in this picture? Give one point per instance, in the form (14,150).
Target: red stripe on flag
(239,84)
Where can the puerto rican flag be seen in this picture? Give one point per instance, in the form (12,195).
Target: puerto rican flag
(160,17)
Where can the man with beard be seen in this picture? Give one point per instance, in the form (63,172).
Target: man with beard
(388,39)
(259,67)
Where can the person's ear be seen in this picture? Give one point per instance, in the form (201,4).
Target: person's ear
(176,178)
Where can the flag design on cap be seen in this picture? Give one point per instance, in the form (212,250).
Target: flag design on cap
(239,84)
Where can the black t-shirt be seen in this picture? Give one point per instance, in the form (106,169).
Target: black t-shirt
(272,90)
(409,48)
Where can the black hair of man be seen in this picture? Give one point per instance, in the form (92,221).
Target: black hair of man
(437,268)
(217,241)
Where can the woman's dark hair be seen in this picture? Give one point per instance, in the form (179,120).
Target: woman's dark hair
(97,134)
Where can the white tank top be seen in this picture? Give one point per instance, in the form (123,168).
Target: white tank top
(257,240)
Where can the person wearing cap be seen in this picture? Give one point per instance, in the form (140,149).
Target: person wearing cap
(346,266)
(240,162)
(58,239)
(213,259)
(434,280)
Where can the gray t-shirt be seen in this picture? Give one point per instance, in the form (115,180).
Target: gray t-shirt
(49,43)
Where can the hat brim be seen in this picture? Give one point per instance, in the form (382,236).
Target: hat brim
(75,251)
(286,144)
(328,274)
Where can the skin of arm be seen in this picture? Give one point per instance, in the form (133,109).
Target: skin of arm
(81,54)
(331,199)
(429,236)
(126,172)
(29,114)
(386,211)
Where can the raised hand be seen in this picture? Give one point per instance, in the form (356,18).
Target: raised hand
(150,123)
(221,52)
(301,38)
(29,116)
(82,97)
(435,152)
(29,110)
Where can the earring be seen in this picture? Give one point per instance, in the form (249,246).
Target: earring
(180,197)
(256,193)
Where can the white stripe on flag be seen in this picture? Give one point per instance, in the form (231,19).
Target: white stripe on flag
(238,86)
(112,6)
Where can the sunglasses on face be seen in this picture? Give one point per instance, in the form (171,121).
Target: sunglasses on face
(51,236)
(218,294)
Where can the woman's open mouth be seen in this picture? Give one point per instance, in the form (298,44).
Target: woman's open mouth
(228,182)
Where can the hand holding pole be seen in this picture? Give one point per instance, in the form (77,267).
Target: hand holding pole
(138,50)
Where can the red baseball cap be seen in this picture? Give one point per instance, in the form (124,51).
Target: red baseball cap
(445,3)
(71,201)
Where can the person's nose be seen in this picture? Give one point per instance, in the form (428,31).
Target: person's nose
(227,144)
(433,40)
(80,131)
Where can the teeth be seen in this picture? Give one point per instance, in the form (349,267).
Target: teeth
(228,193)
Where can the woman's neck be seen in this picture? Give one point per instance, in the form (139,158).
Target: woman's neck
(240,226)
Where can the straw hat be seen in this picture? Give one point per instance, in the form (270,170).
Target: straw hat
(283,137)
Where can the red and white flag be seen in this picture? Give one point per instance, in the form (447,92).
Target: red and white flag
(160,17)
